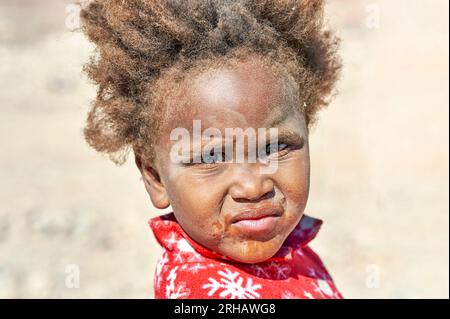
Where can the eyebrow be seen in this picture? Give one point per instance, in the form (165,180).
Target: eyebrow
(290,136)
(277,120)
(285,134)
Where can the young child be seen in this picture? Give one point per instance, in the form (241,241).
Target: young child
(164,69)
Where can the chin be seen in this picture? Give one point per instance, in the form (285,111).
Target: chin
(254,260)
(252,253)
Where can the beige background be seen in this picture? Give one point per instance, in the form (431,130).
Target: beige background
(379,156)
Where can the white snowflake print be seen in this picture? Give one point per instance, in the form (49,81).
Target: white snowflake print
(159,266)
(259,271)
(231,286)
(317,274)
(165,222)
(324,288)
(312,272)
(179,257)
(193,267)
(196,268)
(308,295)
(272,271)
(287,295)
(176,291)
(288,256)
(282,270)
(183,251)
(171,241)
(195,257)
(184,246)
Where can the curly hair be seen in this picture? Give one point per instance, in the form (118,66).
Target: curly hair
(144,46)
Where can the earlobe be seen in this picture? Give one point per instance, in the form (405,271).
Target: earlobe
(158,196)
(153,185)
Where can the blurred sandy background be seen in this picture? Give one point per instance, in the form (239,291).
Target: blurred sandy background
(379,156)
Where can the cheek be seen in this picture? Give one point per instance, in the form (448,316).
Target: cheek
(196,194)
(196,204)
(293,180)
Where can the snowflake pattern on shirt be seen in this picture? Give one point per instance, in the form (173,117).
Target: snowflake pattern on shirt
(187,269)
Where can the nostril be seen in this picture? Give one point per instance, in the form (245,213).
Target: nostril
(249,186)
(245,198)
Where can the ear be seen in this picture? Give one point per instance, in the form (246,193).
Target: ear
(153,185)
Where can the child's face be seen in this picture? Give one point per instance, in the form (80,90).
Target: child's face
(236,209)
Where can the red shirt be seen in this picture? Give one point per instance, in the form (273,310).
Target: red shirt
(186,269)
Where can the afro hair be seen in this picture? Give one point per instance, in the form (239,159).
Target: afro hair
(138,41)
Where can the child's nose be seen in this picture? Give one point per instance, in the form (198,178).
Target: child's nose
(250,184)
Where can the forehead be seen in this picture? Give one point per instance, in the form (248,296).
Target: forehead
(245,94)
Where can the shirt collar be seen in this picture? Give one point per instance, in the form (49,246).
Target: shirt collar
(168,233)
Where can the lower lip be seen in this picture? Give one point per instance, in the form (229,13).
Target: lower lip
(261,226)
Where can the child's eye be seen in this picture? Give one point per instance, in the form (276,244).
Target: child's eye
(276,149)
(208,159)
(213,157)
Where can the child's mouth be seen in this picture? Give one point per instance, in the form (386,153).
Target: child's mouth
(257,227)
(257,222)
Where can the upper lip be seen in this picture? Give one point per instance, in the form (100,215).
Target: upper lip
(257,212)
